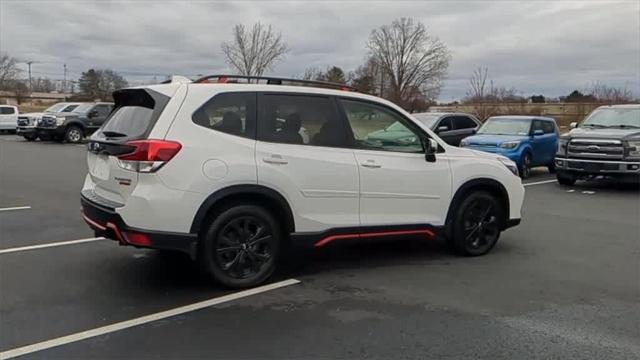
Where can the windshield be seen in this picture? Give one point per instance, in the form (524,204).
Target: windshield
(427,119)
(396,126)
(506,126)
(55,107)
(613,118)
(69,108)
(83,108)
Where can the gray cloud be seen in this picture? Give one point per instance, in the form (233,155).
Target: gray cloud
(534,46)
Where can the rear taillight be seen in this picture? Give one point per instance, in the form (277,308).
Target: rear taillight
(148,155)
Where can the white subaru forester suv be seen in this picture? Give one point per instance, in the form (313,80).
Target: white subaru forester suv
(233,169)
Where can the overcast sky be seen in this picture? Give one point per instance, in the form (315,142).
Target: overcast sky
(535,46)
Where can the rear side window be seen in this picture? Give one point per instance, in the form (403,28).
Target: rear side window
(463,122)
(231,113)
(135,113)
(300,119)
(5,110)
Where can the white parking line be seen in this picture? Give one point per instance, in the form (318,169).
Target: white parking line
(15,208)
(540,182)
(141,320)
(41,246)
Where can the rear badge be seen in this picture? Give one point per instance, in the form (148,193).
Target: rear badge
(123,181)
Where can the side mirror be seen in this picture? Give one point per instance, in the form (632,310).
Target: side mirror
(573,125)
(474,131)
(538,132)
(442,128)
(431,148)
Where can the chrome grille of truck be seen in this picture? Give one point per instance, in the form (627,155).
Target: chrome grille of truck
(595,149)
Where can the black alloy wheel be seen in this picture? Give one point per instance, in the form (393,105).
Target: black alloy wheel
(241,246)
(478,224)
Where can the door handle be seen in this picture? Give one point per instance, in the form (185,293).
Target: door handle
(275,159)
(371,164)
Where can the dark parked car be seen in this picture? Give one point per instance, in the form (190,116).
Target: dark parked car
(74,126)
(450,127)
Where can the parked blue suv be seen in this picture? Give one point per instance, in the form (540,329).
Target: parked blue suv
(529,141)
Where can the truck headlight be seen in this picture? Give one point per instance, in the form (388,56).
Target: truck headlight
(562,146)
(60,120)
(509,165)
(634,148)
(510,144)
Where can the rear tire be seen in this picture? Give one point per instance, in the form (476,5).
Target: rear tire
(566,178)
(73,134)
(552,168)
(477,224)
(30,137)
(240,247)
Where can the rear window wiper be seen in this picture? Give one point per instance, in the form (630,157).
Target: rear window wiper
(113,134)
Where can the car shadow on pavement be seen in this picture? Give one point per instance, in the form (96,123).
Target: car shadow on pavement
(367,254)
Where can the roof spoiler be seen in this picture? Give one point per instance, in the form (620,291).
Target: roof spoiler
(177,79)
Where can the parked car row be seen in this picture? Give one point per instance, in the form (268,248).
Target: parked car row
(64,121)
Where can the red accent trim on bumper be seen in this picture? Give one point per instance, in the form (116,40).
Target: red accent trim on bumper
(92,223)
(429,233)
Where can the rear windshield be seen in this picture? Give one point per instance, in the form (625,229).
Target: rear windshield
(135,114)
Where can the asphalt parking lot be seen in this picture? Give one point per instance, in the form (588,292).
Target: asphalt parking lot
(564,284)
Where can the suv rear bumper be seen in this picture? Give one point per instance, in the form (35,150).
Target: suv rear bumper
(598,167)
(106,222)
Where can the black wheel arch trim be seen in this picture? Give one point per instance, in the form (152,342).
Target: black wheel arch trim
(242,190)
(479,183)
(77,123)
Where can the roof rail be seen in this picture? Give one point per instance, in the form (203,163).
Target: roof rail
(223,79)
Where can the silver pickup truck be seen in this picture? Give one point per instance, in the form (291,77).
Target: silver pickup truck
(605,143)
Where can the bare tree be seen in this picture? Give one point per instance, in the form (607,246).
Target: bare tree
(9,72)
(410,57)
(311,73)
(478,84)
(609,94)
(252,52)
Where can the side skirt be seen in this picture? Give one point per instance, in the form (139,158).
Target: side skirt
(334,235)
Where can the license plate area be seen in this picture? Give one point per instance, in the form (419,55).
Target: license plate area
(101,167)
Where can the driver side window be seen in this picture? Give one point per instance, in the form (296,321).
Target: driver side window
(377,128)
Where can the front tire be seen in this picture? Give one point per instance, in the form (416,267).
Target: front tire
(240,247)
(73,134)
(30,137)
(525,167)
(477,224)
(566,178)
